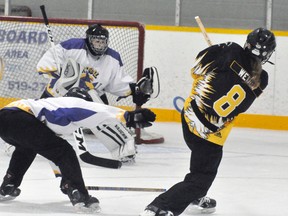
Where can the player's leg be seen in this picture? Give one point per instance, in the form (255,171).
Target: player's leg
(21,157)
(63,155)
(204,162)
(21,160)
(40,139)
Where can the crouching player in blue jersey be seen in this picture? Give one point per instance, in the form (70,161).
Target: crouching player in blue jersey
(33,126)
(227,80)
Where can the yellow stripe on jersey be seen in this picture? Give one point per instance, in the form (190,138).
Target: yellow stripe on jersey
(47,70)
(21,106)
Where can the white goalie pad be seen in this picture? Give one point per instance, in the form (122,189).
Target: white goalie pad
(116,138)
(69,78)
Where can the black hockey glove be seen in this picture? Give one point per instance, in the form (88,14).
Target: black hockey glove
(139,98)
(142,90)
(139,118)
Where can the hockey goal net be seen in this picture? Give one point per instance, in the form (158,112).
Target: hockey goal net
(23,41)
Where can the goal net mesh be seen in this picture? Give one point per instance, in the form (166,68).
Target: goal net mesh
(23,41)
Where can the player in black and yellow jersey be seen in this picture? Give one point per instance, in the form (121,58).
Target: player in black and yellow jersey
(227,80)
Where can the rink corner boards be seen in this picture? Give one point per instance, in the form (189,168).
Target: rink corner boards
(270,122)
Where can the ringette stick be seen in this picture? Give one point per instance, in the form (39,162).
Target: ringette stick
(125,189)
(203,30)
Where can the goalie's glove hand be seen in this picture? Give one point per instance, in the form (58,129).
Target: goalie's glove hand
(145,84)
(142,90)
(139,118)
(139,98)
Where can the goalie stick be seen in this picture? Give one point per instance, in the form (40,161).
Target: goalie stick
(50,35)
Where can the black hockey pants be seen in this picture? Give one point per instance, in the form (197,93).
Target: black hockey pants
(31,137)
(204,162)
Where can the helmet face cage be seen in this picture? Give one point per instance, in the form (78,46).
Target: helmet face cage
(97,39)
(261,43)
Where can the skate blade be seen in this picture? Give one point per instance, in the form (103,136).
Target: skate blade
(6,198)
(81,208)
(196,210)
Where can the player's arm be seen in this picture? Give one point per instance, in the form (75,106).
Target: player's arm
(47,65)
(137,119)
(208,59)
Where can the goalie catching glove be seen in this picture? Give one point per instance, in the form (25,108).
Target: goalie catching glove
(139,118)
(143,89)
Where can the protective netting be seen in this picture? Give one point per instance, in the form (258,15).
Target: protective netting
(23,41)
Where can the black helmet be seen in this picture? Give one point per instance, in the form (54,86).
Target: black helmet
(97,32)
(79,93)
(261,43)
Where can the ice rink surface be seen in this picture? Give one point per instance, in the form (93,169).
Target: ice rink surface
(252,178)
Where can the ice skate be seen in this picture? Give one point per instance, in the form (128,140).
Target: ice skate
(88,205)
(9,192)
(83,203)
(155,211)
(204,205)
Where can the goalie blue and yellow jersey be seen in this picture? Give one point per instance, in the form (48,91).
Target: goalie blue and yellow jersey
(227,80)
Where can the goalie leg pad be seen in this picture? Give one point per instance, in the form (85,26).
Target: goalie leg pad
(117,139)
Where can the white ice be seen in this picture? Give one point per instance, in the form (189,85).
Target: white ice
(252,178)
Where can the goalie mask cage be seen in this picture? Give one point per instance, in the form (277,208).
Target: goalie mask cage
(23,41)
